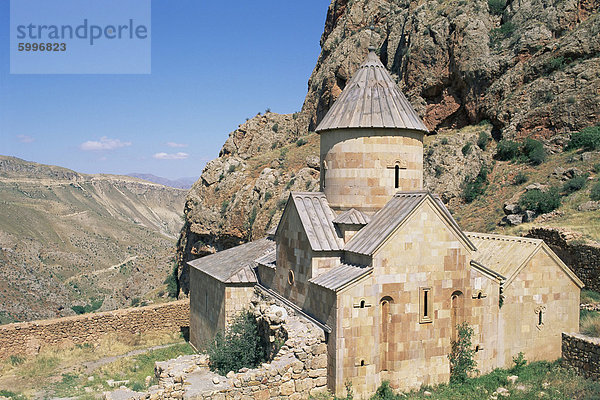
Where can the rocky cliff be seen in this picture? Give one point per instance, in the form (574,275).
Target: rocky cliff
(511,69)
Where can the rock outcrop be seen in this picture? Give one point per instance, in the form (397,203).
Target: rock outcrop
(529,67)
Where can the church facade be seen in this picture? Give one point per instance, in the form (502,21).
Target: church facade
(382,264)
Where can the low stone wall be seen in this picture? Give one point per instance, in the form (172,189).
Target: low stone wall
(582,353)
(297,371)
(28,338)
(582,258)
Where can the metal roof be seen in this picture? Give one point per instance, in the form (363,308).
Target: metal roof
(352,217)
(317,220)
(503,254)
(340,276)
(234,265)
(369,238)
(371,99)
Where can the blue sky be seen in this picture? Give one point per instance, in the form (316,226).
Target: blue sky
(214,64)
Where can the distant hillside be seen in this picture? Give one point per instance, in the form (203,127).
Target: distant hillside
(180,183)
(74,239)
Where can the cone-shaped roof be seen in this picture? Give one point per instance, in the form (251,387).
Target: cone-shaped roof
(371,99)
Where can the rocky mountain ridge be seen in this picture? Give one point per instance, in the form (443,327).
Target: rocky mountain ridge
(69,239)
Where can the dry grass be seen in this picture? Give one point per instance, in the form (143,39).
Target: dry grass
(589,323)
(58,368)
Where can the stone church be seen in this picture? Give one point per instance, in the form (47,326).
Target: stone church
(381,264)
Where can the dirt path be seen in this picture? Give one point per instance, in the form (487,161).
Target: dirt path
(91,366)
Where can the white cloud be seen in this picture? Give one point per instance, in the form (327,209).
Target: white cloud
(103,144)
(173,156)
(25,138)
(173,144)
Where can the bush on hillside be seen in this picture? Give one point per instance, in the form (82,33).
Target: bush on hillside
(520,178)
(595,192)
(172,282)
(507,150)
(574,184)
(238,347)
(473,188)
(540,202)
(587,139)
(496,6)
(533,151)
(483,140)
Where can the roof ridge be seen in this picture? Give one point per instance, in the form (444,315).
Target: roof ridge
(507,238)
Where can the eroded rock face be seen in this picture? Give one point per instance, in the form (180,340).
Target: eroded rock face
(533,70)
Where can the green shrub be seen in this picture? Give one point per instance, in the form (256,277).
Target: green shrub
(301,142)
(574,184)
(136,301)
(595,192)
(533,151)
(385,392)
(439,170)
(231,168)
(520,362)
(587,139)
(273,145)
(496,6)
(507,150)
(238,347)
(473,188)
(224,206)
(461,355)
(597,168)
(172,282)
(554,64)
(540,202)
(268,195)
(466,149)
(16,360)
(483,140)
(444,140)
(275,127)
(520,178)
(88,308)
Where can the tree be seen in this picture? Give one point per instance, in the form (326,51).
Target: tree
(461,356)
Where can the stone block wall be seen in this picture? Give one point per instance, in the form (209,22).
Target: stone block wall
(582,353)
(582,258)
(28,338)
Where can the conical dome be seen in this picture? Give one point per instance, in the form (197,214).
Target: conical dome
(371,100)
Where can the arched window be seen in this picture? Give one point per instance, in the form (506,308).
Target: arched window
(397,176)
(362,304)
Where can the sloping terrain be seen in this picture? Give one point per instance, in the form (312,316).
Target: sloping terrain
(73,239)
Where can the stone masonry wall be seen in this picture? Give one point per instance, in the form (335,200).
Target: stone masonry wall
(582,353)
(29,338)
(582,258)
(297,371)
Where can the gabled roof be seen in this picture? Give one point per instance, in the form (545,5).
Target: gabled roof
(352,217)
(394,213)
(317,220)
(508,255)
(341,276)
(371,99)
(234,265)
